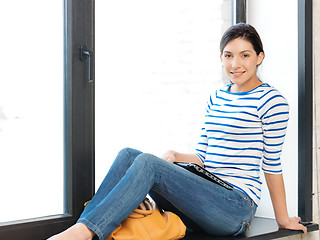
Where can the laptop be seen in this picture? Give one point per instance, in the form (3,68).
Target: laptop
(200,171)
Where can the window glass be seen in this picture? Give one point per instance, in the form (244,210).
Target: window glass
(156,64)
(31,109)
(280,69)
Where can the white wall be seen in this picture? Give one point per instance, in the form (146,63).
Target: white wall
(276,22)
(316,96)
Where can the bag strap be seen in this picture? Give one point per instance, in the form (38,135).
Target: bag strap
(145,208)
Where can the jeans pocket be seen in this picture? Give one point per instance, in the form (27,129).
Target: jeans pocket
(243,227)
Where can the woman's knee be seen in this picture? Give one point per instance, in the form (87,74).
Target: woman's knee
(129,152)
(125,157)
(146,160)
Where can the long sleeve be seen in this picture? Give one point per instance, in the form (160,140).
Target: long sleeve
(274,114)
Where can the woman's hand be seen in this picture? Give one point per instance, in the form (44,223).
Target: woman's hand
(294,224)
(277,192)
(169,156)
(173,156)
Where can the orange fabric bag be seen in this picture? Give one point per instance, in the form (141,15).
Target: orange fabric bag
(147,222)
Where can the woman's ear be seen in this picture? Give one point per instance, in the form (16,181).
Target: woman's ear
(221,60)
(260,58)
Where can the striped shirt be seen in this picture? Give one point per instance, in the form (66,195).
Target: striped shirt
(243,133)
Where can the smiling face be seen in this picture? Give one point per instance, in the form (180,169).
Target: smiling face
(240,62)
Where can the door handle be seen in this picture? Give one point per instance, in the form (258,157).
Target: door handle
(84,55)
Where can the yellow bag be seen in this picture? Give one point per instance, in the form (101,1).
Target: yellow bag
(147,222)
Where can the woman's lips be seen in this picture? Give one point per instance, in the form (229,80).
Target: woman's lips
(237,74)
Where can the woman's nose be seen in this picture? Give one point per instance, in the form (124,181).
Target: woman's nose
(235,62)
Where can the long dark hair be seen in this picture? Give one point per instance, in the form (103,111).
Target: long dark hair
(244,31)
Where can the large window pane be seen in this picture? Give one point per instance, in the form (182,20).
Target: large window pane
(156,63)
(272,71)
(31,109)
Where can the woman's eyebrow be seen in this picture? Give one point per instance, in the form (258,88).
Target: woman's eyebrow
(245,51)
(240,52)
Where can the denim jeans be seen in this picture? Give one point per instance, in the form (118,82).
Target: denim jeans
(201,204)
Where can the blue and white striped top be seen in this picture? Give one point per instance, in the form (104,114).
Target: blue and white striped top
(240,130)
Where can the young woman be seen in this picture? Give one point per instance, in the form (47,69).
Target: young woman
(245,124)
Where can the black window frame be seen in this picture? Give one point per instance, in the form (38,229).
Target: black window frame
(305,100)
(305,109)
(79,129)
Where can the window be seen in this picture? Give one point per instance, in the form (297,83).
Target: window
(296,85)
(154,74)
(157,63)
(31,109)
(59,91)
(273,71)
(151,59)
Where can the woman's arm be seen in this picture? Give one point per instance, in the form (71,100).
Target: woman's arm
(173,156)
(278,196)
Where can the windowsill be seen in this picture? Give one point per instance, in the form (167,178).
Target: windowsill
(261,228)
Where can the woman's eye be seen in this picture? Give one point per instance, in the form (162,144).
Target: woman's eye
(227,55)
(245,55)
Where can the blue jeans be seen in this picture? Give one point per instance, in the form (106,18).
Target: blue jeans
(201,204)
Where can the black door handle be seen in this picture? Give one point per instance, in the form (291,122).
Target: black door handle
(84,55)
